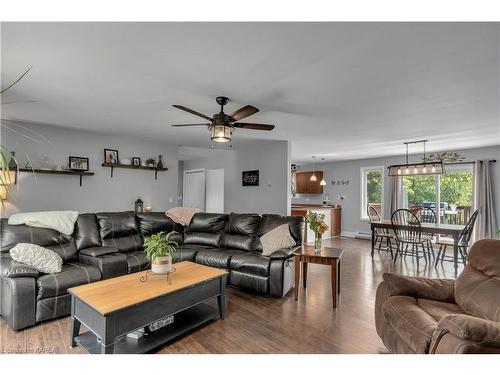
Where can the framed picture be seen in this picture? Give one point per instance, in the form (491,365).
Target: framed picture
(110,156)
(136,162)
(250,178)
(78,163)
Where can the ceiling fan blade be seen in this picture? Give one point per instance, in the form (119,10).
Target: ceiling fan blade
(192,111)
(246,125)
(243,112)
(178,125)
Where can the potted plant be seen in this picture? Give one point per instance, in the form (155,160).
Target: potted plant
(159,251)
(151,162)
(318,226)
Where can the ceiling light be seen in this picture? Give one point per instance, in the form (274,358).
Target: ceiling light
(322,182)
(415,169)
(220,133)
(313,176)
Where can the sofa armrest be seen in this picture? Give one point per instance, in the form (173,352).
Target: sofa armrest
(11,268)
(420,287)
(471,328)
(284,253)
(98,251)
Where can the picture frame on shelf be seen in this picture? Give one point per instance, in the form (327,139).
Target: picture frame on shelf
(136,162)
(111,156)
(78,163)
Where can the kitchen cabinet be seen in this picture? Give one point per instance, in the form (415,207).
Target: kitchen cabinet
(304,185)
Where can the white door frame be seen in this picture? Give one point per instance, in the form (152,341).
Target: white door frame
(184,181)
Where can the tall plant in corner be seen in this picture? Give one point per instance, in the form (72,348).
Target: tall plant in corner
(6,173)
(159,250)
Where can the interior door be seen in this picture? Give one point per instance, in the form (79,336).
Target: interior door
(214,197)
(194,189)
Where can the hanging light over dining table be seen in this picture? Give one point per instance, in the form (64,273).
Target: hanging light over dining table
(415,169)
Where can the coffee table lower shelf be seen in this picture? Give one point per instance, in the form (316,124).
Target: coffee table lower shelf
(184,322)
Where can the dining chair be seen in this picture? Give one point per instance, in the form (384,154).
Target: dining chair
(381,234)
(408,231)
(428,216)
(463,242)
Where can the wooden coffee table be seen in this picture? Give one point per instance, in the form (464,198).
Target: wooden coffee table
(329,256)
(112,308)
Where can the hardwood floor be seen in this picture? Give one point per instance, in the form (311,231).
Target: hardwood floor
(256,324)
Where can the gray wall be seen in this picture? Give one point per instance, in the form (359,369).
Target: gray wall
(271,158)
(99,192)
(350,170)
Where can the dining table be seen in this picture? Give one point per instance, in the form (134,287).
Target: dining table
(452,230)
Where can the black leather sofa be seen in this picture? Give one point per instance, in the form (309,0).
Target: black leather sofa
(109,244)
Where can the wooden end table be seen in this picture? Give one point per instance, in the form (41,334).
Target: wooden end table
(329,256)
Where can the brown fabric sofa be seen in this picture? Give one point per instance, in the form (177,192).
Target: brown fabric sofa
(419,315)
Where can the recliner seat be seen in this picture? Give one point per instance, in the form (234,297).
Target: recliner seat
(110,244)
(420,315)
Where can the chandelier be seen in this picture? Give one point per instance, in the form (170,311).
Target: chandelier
(415,169)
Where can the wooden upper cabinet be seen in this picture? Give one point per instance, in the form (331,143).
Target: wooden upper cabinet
(304,185)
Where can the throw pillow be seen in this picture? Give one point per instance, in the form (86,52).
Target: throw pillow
(278,238)
(40,258)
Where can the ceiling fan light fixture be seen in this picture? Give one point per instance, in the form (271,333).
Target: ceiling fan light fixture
(220,133)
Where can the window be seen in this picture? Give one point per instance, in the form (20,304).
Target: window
(372,190)
(451,191)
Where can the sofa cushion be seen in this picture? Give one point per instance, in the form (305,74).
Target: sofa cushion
(477,288)
(153,222)
(207,223)
(86,232)
(241,232)
(72,274)
(271,221)
(216,257)
(250,263)
(205,230)
(438,309)
(413,324)
(277,239)
(51,239)
(44,260)
(187,252)
(119,230)
(137,261)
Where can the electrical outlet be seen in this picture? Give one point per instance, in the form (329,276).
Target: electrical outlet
(170,199)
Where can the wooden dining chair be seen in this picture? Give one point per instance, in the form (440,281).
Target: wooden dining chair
(382,235)
(428,215)
(408,231)
(463,242)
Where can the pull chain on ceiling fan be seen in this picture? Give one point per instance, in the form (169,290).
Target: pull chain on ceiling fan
(221,126)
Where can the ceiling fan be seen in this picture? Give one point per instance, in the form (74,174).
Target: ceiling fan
(221,126)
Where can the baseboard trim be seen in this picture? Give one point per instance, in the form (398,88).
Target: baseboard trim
(348,234)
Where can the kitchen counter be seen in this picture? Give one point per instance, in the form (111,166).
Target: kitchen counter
(333,217)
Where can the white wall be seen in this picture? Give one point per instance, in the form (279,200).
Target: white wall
(350,170)
(99,192)
(271,158)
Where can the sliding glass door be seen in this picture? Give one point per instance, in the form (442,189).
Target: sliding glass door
(452,192)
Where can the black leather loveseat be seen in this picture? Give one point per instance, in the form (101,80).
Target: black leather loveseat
(109,244)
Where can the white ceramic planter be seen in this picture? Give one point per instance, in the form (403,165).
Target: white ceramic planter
(162,264)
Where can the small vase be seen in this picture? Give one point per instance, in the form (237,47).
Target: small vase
(317,242)
(162,265)
(159,165)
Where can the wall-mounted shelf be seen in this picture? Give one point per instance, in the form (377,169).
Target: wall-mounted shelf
(125,166)
(52,171)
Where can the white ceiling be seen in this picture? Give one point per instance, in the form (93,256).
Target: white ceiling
(335,90)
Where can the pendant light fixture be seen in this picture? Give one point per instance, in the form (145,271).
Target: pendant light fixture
(313,176)
(416,169)
(323,182)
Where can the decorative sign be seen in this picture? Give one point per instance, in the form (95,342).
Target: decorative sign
(250,178)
